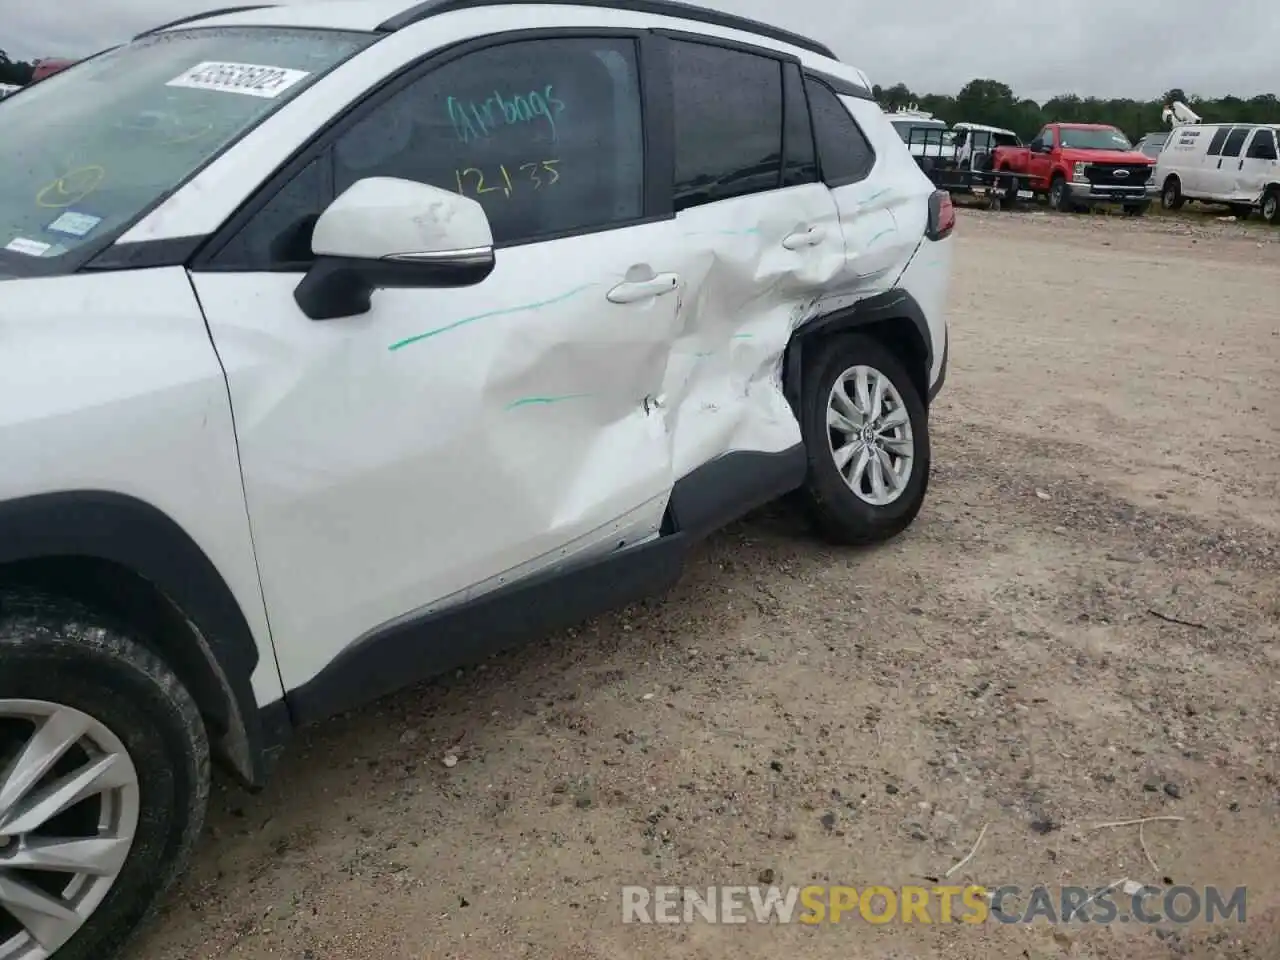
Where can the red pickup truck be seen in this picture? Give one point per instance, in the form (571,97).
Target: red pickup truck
(1081,165)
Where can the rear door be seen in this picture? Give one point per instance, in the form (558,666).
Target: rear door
(756,237)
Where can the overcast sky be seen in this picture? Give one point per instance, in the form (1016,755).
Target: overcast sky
(1106,48)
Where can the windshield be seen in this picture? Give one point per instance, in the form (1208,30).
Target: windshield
(1107,138)
(92,147)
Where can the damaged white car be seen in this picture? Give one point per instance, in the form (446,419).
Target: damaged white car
(346,343)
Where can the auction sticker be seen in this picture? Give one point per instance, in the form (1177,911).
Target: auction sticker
(32,248)
(74,224)
(252,80)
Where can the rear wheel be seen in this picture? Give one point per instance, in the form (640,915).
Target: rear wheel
(1171,197)
(1009,191)
(1271,206)
(104,778)
(866,434)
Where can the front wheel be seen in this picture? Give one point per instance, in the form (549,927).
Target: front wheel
(1171,197)
(1059,195)
(866,434)
(1271,206)
(104,779)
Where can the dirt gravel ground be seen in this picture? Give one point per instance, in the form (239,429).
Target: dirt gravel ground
(1081,627)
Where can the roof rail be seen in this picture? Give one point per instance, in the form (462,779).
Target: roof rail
(203,16)
(662,8)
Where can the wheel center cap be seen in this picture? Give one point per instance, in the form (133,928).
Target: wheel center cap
(868,434)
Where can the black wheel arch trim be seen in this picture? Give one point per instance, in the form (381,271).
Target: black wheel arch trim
(139,538)
(892,305)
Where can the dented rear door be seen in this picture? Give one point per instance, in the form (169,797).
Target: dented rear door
(757,241)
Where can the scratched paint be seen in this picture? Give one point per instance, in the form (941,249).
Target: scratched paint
(545,401)
(505,311)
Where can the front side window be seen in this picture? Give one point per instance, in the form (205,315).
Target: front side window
(728,123)
(1046,137)
(91,148)
(546,134)
(1095,138)
(1263,146)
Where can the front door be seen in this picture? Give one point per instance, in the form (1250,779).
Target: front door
(449,442)
(1257,166)
(1222,179)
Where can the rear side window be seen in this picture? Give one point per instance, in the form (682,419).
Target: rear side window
(728,123)
(1219,138)
(1235,140)
(844,154)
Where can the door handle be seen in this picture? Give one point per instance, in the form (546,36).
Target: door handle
(633,291)
(808,237)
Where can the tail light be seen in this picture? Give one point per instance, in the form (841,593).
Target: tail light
(942,215)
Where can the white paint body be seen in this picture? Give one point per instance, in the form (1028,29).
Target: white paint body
(448,441)
(1223,179)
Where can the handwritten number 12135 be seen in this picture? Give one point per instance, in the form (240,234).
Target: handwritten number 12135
(536,174)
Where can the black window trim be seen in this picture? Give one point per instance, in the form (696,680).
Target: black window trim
(653,82)
(845,88)
(797,72)
(813,76)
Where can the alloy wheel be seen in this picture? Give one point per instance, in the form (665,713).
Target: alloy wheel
(869,431)
(69,808)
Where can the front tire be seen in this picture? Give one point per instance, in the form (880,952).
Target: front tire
(1060,195)
(1271,206)
(93,719)
(866,435)
(1171,197)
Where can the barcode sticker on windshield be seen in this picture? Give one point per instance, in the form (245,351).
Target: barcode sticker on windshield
(32,248)
(247,78)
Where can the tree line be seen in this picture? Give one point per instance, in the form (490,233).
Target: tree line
(15,71)
(994,103)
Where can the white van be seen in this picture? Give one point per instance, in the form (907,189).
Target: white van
(1236,164)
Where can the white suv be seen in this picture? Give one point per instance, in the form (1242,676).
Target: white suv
(343,343)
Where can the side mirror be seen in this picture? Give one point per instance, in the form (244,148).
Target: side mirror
(384,233)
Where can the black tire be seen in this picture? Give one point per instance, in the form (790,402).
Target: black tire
(1171,197)
(1009,195)
(1271,205)
(1136,209)
(63,653)
(1060,195)
(837,512)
